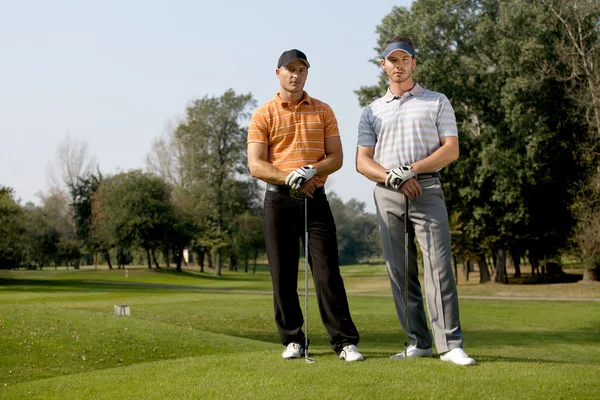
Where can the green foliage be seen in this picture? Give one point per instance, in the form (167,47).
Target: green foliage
(357,231)
(11,230)
(247,237)
(82,193)
(522,148)
(213,161)
(135,210)
(42,241)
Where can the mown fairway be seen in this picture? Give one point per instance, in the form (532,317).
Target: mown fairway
(59,339)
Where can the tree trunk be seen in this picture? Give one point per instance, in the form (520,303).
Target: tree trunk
(208,254)
(154,258)
(500,275)
(517,264)
(148,257)
(232,262)
(107,256)
(591,274)
(218,262)
(165,253)
(200,255)
(534,266)
(246,263)
(466,268)
(255,257)
(455,268)
(484,272)
(177,256)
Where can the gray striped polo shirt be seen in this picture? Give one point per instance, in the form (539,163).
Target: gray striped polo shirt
(406,129)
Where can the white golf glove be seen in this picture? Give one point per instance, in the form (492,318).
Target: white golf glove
(297,177)
(397,176)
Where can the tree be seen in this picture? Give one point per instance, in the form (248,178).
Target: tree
(578,49)
(133,209)
(357,230)
(73,160)
(181,229)
(165,159)
(214,162)
(247,237)
(515,145)
(82,195)
(41,237)
(11,230)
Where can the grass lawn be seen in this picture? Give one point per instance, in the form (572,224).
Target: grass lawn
(188,338)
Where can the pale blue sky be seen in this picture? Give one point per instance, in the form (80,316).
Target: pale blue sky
(113,73)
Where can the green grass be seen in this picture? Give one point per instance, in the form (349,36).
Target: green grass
(59,340)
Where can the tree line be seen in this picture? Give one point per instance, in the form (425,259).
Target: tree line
(195,194)
(524,79)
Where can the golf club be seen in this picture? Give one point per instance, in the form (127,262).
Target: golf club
(406,276)
(306,358)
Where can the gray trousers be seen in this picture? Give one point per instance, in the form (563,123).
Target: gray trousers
(428,220)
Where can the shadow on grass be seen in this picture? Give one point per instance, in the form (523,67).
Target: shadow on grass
(192,272)
(533,338)
(565,278)
(33,285)
(372,342)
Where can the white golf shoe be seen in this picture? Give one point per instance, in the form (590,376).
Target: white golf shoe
(351,353)
(293,350)
(458,356)
(413,352)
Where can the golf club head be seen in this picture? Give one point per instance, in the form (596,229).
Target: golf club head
(309,360)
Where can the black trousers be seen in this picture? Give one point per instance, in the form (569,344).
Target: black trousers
(284,225)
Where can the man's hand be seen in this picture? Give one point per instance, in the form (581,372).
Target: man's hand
(404,179)
(297,177)
(310,186)
(397,176)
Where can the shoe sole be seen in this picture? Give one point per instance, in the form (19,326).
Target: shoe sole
(400,356)
(462,365)
(343,357)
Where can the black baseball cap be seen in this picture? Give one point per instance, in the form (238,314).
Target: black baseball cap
(291,55)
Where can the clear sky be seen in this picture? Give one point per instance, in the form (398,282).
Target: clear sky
(113,73)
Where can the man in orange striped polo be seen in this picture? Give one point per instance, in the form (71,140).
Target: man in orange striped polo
(293,145)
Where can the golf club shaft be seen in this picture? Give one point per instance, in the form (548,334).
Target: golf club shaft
(306,274)
(406,258)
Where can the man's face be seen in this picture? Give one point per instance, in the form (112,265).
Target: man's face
(293,76)
(399,66)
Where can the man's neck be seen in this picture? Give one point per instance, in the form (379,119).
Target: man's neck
(294,98)
(398,89)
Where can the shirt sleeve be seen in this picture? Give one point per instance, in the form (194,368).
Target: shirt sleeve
(330,124)
(366,132)
(446,121)
(258,131)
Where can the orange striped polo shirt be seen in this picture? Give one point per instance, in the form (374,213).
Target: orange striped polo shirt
(295,135)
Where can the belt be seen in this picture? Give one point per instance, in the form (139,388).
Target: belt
(294,194)
(428,175)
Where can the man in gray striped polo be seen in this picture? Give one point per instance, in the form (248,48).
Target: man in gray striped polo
(404,139)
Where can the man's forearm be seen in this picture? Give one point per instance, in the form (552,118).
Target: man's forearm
(267,172)
(436,160)
(369,168)
(328,165)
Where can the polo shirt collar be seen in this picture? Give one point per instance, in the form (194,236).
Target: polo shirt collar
(305,99)
(416,91)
